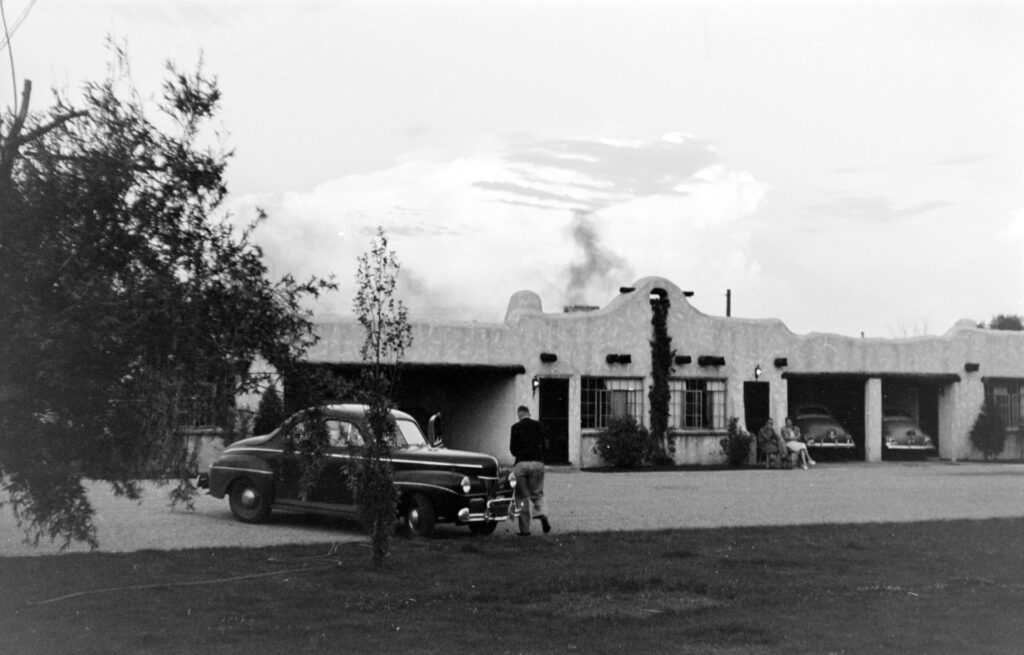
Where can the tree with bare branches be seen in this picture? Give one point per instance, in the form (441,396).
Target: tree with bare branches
(388,334)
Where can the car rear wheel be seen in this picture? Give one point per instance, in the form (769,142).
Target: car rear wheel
(483,529)
(419,517)
(248,503)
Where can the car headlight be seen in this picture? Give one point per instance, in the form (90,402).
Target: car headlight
(467,484)
(512,480)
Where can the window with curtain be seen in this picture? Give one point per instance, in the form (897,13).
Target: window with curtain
(697,404)
(1006,396)
(605,398)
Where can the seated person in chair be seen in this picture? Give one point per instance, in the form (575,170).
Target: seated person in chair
(769,443)
(795,443)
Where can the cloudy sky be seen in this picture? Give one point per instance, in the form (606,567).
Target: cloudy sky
(845,167)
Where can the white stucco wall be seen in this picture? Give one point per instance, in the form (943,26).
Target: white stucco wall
(581,342)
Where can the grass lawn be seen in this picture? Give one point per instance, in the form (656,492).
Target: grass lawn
(936,587)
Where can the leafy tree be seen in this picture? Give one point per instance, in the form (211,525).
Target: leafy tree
(1007,322)
(125,291)
(388,334)
(661,368)
(989,434)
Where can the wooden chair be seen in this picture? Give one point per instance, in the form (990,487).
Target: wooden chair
(773,456)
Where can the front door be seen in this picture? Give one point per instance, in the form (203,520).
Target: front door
(757,405)
(554,416)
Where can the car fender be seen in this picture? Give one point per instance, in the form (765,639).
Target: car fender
(426,480)
(443,488)
(233,466)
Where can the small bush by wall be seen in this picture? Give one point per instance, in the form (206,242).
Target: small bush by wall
(627,444)
(989,434)
(736,445)
(270,413)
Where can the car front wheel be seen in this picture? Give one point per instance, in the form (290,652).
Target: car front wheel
(419,516)
(248,503)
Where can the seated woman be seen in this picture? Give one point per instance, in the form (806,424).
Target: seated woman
(795,443)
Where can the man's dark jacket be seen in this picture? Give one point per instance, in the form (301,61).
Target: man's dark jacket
(527,443)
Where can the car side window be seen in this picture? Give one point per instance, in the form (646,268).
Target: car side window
(296,434)
(344,434)
(335,436)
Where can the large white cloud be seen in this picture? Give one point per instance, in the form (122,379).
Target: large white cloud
(572,220)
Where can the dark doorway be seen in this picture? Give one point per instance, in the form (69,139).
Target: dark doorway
(756,404)
(554,415)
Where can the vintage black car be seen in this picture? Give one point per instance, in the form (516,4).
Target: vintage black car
(434,484)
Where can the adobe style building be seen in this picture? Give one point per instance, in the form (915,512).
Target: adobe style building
(575,369)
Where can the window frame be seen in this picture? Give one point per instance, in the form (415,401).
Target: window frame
(697,408)
(1008,397)
(597,399)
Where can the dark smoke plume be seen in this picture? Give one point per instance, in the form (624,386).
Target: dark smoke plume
(599,264)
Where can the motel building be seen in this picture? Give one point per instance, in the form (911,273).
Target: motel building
(575,369)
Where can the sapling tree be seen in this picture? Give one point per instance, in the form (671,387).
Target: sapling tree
(388,334)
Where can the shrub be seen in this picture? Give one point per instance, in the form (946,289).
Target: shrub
(626,444)
(736,445)
(270,412)
(989,434)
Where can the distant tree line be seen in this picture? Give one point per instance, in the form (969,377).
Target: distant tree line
(1011,322)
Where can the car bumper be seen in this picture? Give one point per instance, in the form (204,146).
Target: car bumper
(495,509)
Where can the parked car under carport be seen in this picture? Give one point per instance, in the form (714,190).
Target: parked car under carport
(821,430)
(901,435)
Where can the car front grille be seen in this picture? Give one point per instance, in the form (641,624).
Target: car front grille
(499,508)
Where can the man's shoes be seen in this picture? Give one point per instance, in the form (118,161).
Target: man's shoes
(544,523)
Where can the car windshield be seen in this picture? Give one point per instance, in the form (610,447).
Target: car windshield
(902,418)
(812,410)
(408,433)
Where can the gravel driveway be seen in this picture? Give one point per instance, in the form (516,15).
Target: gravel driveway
(590,501)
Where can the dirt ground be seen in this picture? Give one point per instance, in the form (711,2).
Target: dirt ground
(599,501)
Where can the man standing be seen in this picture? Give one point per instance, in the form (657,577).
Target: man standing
(527,446)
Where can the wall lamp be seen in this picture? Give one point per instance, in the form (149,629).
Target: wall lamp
(757,372)
(548,358)
(535,383)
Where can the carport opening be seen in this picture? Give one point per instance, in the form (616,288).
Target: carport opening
(843,395)
(844,398)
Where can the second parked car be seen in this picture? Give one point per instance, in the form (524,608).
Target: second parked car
(900,433)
